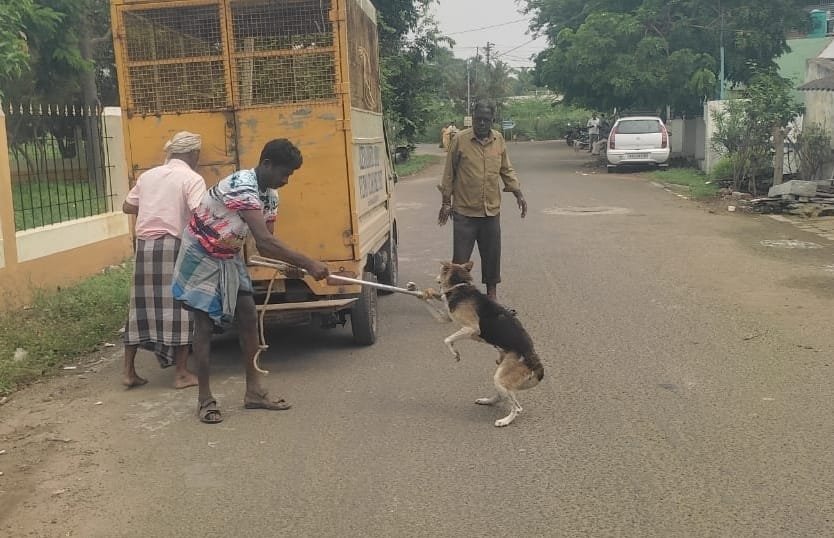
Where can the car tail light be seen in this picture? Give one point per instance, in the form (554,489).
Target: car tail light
(611,137)
(664,137)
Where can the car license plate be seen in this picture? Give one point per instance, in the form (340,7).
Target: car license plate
(637,156)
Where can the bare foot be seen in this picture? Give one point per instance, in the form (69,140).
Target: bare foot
(254,400)
(183,381)
(131,381)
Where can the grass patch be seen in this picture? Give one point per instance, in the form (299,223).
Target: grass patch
(63,325)
(689,177)
(416,164)
(39,203)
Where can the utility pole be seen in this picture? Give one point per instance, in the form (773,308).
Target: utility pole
(722,92)
(468,88)
(489,67)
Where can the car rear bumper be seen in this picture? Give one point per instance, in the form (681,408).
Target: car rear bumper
(618,157)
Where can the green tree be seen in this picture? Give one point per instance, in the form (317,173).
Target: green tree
(69,49)
(653,53)
(71,53)
(751,130)
(19,21)
(409,41)
(524,82)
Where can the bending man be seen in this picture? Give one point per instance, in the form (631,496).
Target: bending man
(211,277)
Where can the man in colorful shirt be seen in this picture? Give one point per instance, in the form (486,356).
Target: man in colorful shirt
(210,277)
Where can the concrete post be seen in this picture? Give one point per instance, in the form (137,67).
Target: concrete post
(8,244)
(119,180)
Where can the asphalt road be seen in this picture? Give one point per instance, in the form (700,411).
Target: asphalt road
(687,393)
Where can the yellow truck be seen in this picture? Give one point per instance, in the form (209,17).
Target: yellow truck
(242,72)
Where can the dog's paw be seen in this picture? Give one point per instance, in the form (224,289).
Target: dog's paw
(457,356)
(485,401)
(506,421)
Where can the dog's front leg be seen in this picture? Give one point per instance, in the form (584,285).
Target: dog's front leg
(466,332)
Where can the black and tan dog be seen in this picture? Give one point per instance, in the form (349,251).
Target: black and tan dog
(484,320)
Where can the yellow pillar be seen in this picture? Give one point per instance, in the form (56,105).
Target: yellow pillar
(8,244)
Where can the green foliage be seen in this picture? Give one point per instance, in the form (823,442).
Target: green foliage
(723,170)
(611,62)
(439,113)
(61,325)
(541,119)
(692,178)
(745,129)
(66,40)
(416,164)
(651,53)
(813,146)
(14,52)
(20,21)
(409,40)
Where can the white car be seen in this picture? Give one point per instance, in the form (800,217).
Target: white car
(638,141)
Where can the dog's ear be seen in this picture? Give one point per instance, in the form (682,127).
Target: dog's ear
(469,265)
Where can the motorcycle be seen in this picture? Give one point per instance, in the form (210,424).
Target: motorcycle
(578,137)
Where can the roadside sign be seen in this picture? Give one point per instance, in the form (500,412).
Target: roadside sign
(507,125)
(467,121)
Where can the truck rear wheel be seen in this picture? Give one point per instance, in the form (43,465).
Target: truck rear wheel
(391,274)
(364,314)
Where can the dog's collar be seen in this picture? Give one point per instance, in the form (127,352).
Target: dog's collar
(453,288)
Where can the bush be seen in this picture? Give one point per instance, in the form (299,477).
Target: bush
(541,119)
(723,170)
(813,146)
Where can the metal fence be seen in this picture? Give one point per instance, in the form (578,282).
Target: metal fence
(59,162)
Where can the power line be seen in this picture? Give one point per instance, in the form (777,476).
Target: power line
(488,27)
(515,48)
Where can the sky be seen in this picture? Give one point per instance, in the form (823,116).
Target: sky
(511,39)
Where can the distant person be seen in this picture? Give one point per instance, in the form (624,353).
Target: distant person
(477,171)
(593,131)
(211,278)
(447,135)
(453,131)
(162,200)
(444,137)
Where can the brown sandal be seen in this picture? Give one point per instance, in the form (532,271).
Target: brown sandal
(209,413)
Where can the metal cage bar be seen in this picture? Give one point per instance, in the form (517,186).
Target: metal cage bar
(282,52)
(174,58)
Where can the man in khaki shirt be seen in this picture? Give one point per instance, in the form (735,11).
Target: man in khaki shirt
(476,169)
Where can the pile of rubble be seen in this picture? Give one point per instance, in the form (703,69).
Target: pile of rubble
(803,198)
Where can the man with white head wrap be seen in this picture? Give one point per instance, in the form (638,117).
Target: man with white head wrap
(183,143)
(162,200)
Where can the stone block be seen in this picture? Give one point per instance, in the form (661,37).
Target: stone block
(795,188)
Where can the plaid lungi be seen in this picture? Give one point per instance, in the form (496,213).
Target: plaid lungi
(208,284)
(155,321)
